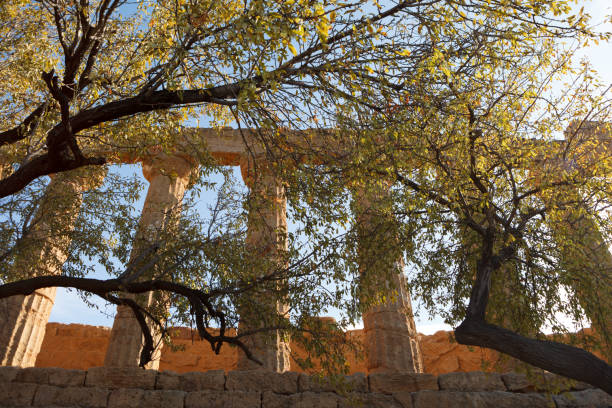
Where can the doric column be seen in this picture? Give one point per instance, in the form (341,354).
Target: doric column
(390,336)
(168,178)
(23,319)
(587,258)
(267,240)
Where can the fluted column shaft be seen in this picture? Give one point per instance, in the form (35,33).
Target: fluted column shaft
(168,177)
(390,336)
(23,319)
(267,239)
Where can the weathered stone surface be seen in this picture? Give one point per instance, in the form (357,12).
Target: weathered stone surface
(584,399)
(83,346)
(390,338)
(8,374)
(314,400)
(92,397)
(23,319)
(252,380)
(555,383)
(474,381)
(223,399)
(495,399)
(273,400)
(126,398)
(16,394)
(390,383)
(132,398)
(168,380)
(194,381)
(209,380)
(33,375)
(301,400)
(163,399)
(442,354)
(66,378)
(516,382)
(168,176)
(404,398)
(369,400)
(120,377)
(350,383)
(266,237)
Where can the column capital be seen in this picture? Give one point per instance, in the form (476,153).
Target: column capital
(256,170)
(162,164)
(81,179)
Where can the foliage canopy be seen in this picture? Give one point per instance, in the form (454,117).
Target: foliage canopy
(446,111)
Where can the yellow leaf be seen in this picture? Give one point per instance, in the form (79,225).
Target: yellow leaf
(292,49)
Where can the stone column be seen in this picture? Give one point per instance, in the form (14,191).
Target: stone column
(390,336)
(267,240)
(590,266)
(23,319)
(168,178)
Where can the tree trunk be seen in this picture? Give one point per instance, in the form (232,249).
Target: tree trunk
(562,359)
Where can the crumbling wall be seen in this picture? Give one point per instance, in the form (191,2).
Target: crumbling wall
(77,346)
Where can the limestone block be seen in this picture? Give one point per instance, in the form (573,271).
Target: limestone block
(51,376)
(92,397)
(223,399)
(34,375)
(16,394)
(8,374)
(314,400)
(120,377)
(583,399)
(126,398)
(357,382)
(208,380)
(163,399)
(404,398)
(134,398)
(273,400)
(516,382)
(192,381)
(472,381)
(542,382)
(390,383)
(495,399)
(168,380)
(301,400)
(369,400)
(555,383)
(280,383)
(67,378)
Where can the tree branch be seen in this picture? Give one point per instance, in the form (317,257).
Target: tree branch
(200,302)
(558,358)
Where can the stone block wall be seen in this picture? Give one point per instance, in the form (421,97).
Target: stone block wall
(102,387)
(77,346)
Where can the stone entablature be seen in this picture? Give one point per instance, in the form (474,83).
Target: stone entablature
(111,387)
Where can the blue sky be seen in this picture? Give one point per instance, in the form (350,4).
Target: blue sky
(69,308)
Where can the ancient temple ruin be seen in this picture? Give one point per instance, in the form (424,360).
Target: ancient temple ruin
(390,339)
(390,334)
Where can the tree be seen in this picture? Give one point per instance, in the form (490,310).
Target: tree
(500,215)
(394,94)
